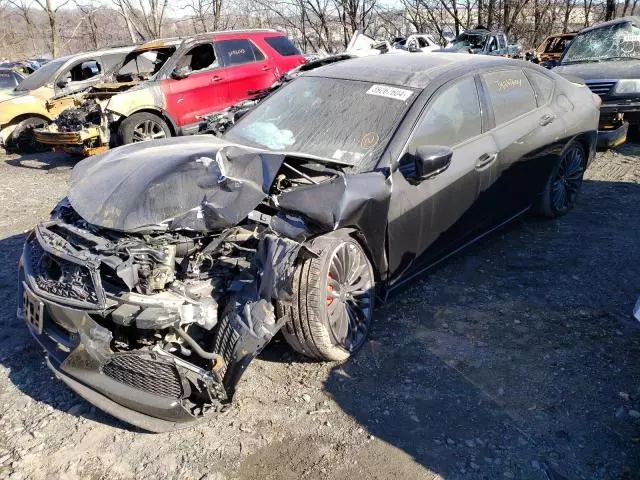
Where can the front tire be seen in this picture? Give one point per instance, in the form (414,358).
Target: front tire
(332,304)
(562,188)
(141,127)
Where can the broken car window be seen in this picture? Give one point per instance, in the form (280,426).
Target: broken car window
(510,93)
(200,57)
(142,64)
(467,40)
(345,120)
(615,42)
(453,117)
(83,71)
(237,52)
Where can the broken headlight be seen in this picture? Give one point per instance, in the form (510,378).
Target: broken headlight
(627,85)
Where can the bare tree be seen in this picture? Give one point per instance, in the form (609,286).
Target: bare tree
(52,12)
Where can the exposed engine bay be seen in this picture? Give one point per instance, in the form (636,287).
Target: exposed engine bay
(178,308)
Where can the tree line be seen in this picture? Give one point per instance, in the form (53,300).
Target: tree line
(31,28)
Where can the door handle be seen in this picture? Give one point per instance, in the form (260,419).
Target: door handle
(546,119)
(215,79)
(486,159)
(265,68)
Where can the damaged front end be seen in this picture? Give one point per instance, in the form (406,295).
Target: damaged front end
(82,127)
(155,321)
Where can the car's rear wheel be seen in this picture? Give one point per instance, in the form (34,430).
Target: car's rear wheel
(562,188)
(141,127)
(333,298)
(23,140)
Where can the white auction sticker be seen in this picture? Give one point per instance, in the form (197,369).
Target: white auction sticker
(389,92)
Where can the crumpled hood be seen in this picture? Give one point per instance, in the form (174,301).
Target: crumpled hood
(609,70)
(198,183)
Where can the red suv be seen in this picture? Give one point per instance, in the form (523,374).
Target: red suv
(164,86)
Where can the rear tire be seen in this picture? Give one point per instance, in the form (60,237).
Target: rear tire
(22,139)
(561,191)
(142,126)
(333,298)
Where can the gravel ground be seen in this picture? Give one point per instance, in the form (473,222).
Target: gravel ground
(517,359)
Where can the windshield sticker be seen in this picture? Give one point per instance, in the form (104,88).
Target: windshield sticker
(389,92)
(368,141)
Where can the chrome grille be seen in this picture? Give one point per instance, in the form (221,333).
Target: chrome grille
(153,376)
(601,87)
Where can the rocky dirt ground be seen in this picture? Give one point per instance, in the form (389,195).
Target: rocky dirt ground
(519,359)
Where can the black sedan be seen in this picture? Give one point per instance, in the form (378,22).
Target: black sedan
(172,263)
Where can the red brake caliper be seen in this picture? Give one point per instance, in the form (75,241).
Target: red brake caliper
(330,290)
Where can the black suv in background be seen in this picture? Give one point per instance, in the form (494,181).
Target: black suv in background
(607,58)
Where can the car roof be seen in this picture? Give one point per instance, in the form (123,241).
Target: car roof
(635,20)
(119,49)
(416,70)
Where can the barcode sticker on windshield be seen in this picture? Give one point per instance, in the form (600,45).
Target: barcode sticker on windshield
(390,92)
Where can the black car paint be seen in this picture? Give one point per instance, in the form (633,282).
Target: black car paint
(405,227)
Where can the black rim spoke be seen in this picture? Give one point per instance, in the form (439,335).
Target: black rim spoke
(568,179)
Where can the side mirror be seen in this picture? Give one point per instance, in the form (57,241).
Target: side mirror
(62,82)
(431,160)
(180,72)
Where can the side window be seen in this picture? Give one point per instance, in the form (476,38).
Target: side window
(283,46)
(237,52)
(110,60)
(493,44)
(510,93)
(422,42)
(502,41)
(84,71)
(542,85)
(452,118)
(199,57)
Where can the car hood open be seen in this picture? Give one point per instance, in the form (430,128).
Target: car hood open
(198,183)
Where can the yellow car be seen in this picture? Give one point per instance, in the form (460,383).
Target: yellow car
(27,105)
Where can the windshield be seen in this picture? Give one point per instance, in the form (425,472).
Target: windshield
(141,64)
(617,42)
(43,76)
(345,120)
(468,40)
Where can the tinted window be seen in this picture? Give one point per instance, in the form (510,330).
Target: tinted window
(510,93)
(283,46)
(236,52)
(450,119)
(543,86)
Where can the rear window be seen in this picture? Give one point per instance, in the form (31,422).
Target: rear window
(283,46)
(238,51)
(510,93)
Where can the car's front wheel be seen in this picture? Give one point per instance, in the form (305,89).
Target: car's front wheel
(333,298)
(562,188)
(23,140)
(141,127)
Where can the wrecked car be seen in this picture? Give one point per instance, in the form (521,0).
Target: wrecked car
(163,87)
(27,106)
(171,264)
(483,42)
(550,50)
(607,57)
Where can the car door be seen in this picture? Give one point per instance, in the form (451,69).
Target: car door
(431,216)
(248,68)
(197,86)
(78,76)
(525,125)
